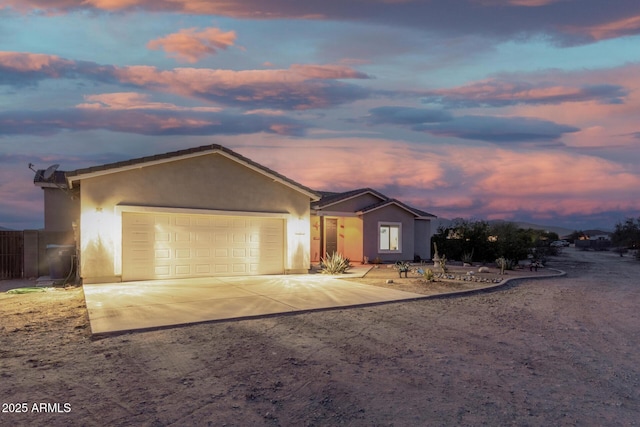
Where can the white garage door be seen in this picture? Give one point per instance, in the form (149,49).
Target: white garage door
(168,245)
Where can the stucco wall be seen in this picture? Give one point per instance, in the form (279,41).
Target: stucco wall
(350,238)
(60,210)
(211,182)
(422,240)
(389,213)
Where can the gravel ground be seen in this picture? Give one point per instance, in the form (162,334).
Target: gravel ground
(561,351)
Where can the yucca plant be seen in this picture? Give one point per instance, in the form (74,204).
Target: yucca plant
(335,263)
(428,274)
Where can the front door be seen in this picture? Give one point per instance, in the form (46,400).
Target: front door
(331,235)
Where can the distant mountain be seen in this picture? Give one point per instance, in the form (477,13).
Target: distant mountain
(561,231)
(5,229)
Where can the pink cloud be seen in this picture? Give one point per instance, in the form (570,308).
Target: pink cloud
(134,101)
(299,87)
(481,182)
(26,62)
(609,30)
(566,21)
(511,90)
(190,45)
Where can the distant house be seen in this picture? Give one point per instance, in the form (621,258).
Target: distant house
(594,239)
(209,211)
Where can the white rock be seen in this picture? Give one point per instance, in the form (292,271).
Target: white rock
(483,270)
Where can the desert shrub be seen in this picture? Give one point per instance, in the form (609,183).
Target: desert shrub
(505,264)
(627,234)
(335,263)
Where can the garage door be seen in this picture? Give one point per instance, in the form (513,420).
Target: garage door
(166,246)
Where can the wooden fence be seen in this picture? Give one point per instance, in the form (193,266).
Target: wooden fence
(11,254)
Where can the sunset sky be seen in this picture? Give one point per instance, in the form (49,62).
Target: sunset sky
(523,110)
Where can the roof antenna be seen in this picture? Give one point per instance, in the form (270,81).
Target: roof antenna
(48,174)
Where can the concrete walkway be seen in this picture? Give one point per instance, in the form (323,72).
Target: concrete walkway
(116,307)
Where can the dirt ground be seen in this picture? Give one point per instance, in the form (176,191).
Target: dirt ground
(561,351)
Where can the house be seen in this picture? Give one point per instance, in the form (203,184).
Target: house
(366,225)
(209,211)
(195,212)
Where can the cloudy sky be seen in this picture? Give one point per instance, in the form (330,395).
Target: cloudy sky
(514,109)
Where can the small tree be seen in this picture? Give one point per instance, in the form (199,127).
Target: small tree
(627,234)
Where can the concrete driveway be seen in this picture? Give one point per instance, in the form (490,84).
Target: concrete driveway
(128,306)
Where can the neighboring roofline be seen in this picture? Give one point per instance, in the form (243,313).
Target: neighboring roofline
(417,213)
(131,164)
(352,195)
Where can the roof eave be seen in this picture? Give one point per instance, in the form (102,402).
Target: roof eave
(400,205)
(364,191)
(78,176)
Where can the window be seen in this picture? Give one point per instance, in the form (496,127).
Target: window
(389,237)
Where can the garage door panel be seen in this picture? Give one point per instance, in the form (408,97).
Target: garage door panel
(163,270)
(182,236)
(222,269)
(239,238)
(183,253)
(183,270)
(178,245)
(239,253)
(203,236)
(162,237)
(158,220)
(203,269)
(203,221)
(163,253)
(220,238)
(203,253)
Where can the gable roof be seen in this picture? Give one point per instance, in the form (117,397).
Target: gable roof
(417,212)
(331,198)
(94,171)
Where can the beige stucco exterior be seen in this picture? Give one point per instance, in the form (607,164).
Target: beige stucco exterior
(349,237)
(359,218)
(206,183)
(62,210)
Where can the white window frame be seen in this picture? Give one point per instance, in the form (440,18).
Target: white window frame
(390,225)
